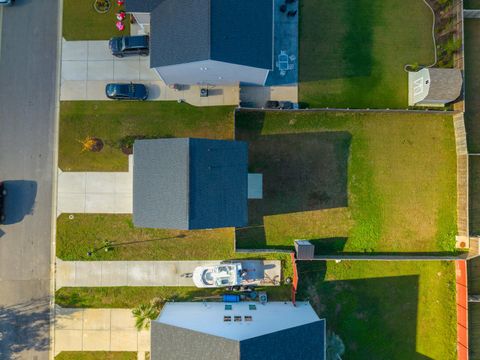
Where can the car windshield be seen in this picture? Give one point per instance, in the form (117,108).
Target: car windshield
(119,89)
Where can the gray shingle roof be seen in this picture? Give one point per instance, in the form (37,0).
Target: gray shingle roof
(445,84)
(190,183)
(304,342)
(239,32)
(144,6)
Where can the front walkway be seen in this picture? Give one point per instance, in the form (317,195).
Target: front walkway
(151,273)
(98,330)
(87,66)
(96,192)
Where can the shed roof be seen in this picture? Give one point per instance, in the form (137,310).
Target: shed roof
(189,183)
(445,84)
(232,31)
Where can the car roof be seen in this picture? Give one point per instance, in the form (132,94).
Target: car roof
(140,41)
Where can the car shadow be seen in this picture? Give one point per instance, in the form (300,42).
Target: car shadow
(19,200)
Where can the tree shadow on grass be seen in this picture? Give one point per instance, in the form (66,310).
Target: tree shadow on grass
(376,317)
(301,172)
(24,327)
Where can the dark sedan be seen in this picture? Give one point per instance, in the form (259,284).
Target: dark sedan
(126,91)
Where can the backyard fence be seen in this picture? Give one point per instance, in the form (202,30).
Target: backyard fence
(462,178)
(459,56)
(461,288)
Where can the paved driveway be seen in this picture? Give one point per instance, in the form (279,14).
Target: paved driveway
(98,330)
(96,192)
(87,66)
(151,273)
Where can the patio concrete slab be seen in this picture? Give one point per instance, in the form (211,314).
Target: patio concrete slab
(73,90)
(87,274)
(100,70)
(97,50)
(68,340)
(98,330)
(115,273)
(145,72)
(95,192)
(96,340)
(141,273)
(95,90)
(74,50)
(96,319)
(74,70)
(71,319)
(123,340)
(153,273)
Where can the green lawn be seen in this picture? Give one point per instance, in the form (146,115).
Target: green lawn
(471,4)
(89,231)
(386,310)
(352,182)
(96,355)
(82,22)
(130,297)
(111,121)
(352,53)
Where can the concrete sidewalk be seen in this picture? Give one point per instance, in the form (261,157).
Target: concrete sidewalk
(151,273)
(96,192)
(98,330)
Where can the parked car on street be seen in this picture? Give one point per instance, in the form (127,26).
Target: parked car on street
(3,193)
(129,91)
(6,2)
(129,45)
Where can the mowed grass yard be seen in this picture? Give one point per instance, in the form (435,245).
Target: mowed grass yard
(113,120)
(385,310)
(96,355)
(351,182)
(352,53)
(131,296)
(82,22)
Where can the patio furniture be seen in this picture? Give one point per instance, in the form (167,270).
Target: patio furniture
(283,8)
(283,61)
(292,13)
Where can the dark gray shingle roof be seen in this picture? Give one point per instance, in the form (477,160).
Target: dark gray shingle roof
(304,342)
(176,343)
(160,183)
(145,6)
(190,183)
(239,32)
(445,84)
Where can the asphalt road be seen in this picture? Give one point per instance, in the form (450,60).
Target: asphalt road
(28,71)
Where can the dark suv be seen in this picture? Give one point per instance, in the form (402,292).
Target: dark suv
(129,45)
